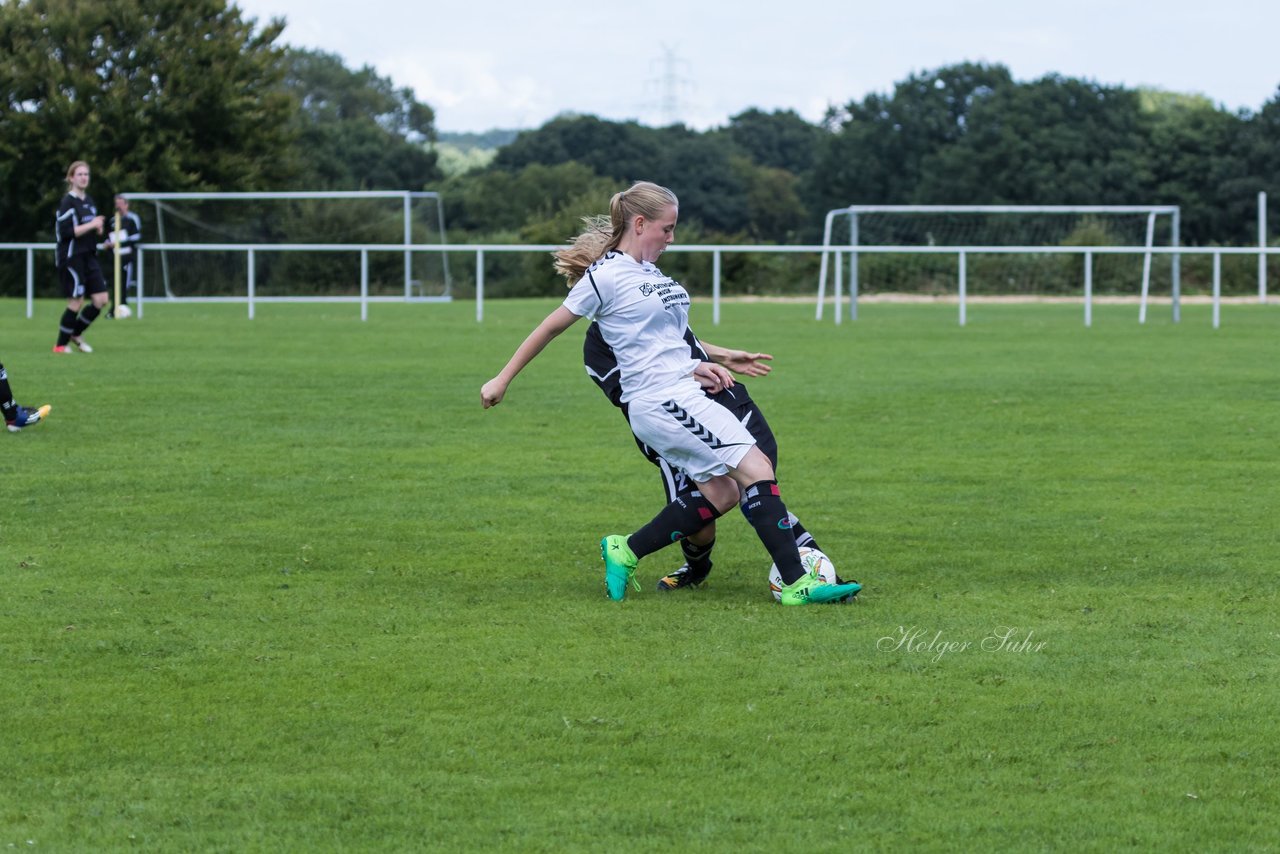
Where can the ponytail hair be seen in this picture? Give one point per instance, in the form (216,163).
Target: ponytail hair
(71,170)
(602,234)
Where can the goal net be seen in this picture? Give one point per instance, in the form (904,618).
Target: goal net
(302,245)
(1009,250)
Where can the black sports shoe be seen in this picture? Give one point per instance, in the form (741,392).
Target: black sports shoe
(682,577)
(24,417)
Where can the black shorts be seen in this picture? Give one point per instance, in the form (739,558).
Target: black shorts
(677,484)
(81,275)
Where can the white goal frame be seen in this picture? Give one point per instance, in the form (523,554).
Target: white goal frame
(407,196)
(853,247)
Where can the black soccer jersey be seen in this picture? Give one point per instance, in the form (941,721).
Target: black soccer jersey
(602,367)
(131,225)
(74,211)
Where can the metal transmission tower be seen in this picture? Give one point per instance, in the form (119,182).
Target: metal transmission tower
(669,84)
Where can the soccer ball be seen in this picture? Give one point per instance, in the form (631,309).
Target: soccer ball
(122,311)
(809,559)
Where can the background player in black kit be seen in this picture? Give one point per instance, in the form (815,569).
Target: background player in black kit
(126,243)
(78,225)
(602,367)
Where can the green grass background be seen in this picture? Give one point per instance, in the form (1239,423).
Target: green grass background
(281,584)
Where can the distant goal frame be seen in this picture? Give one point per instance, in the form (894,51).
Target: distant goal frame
(853,248)
(408,197)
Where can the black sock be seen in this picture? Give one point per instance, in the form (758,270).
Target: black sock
(88,315)
(697,557)
(803,538)
(7,404)
(66,327)
(769,516)
(674,522)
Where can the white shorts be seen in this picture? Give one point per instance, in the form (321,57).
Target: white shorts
(690,431)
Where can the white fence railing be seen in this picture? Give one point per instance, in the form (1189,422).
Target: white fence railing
(837,254)
(962,253)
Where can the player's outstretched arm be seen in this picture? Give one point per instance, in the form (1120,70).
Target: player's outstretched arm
(739,361)
(492,392)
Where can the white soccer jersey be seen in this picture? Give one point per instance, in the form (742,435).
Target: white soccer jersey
(642,314)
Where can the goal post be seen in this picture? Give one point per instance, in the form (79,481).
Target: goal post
(1011,237)
(328,219)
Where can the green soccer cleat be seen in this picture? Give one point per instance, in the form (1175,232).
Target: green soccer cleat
(811,589)
(619,566)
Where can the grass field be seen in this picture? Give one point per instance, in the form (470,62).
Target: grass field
(281,584)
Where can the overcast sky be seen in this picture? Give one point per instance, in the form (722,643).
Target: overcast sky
(501,64)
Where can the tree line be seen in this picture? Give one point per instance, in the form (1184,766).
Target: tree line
(962,134)
(162,96)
